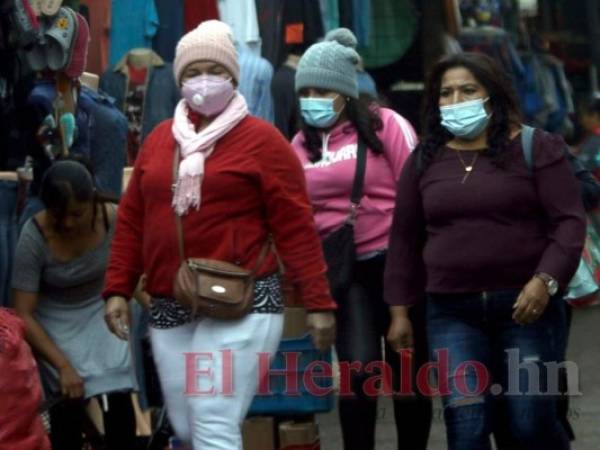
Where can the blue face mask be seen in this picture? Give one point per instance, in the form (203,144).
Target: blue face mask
(465,120)
(318,112)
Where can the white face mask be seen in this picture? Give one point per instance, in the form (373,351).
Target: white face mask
(466,120)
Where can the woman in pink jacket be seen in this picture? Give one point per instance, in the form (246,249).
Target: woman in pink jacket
(333,121)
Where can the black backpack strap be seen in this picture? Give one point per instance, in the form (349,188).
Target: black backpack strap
(527,144)
(359,178)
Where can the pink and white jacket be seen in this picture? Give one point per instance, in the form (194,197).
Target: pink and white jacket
(329,181)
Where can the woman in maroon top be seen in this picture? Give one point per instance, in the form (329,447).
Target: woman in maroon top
(490,245)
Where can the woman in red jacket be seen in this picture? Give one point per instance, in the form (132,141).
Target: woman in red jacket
(238,183)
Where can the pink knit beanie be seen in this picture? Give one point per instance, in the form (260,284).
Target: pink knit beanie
(210,41)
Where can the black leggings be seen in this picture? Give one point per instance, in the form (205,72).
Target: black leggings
(363,320)
(68,418)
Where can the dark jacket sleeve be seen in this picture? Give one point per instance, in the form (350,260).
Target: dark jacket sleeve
(588,184)
(404,278)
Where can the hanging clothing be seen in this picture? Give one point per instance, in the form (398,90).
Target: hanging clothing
(162,93)
(108,134)
(362,21)
(134,110)
(171,17)
(8,236)
(256,75)
(270,23)
(99,20)
(241,16)
(393,28)
(101,134)
(285,24)
(346,8)
(198,11)
(330,10)
(304,15)
(286,106)
(134,24)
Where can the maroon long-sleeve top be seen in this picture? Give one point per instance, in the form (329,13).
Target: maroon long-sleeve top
(493,232)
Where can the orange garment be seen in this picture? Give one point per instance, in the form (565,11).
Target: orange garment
(100,12)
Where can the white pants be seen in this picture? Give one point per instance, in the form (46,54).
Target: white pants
(213,421)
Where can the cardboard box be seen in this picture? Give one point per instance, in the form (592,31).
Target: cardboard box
(258,433)
(299,436)
(294,323)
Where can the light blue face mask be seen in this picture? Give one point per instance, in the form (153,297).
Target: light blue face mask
(466,120)
(318,112)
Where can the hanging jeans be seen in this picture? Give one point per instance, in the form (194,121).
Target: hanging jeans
(490,365)
(8,236)
(363,320)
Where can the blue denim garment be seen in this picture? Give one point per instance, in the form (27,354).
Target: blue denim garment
(8,237)
(108,140)
(162,93)
(256,74)
(362,21)
(133,25)
(101,134)
(479,328)
(171,28)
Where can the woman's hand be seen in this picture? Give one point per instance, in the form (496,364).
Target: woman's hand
(532,302)
(116,315)
(321,326)
(71,384)
(140,294)
(400,333)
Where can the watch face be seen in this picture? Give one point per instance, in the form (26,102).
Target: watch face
(552,287)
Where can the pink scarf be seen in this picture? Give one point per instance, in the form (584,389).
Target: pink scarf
(196,147)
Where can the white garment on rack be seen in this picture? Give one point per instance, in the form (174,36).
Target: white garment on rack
(241,16)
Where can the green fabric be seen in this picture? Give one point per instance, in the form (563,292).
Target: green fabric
(392,31)
(331,14)
(73,4)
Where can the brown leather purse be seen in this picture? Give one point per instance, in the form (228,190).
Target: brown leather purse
(213,288)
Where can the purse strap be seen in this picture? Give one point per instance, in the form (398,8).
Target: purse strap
(263,252)
(527,145)
(359,180)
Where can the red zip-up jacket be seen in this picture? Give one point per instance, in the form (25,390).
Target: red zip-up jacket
(253,185)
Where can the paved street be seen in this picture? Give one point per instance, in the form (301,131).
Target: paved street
(584,349)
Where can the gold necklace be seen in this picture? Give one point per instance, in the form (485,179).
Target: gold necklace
(469,168)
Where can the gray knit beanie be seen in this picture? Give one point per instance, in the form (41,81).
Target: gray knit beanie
(330,64)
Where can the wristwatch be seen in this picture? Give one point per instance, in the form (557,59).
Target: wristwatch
(551,283)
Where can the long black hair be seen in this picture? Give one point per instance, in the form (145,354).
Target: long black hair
(71,178)
(363,114)
(503,102)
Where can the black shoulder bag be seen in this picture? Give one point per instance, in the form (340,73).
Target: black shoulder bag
(339,248)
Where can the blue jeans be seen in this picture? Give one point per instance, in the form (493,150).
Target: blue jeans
(491,366)
(8,236)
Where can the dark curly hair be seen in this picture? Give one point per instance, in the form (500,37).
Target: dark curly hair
(505,108)
(363,114)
